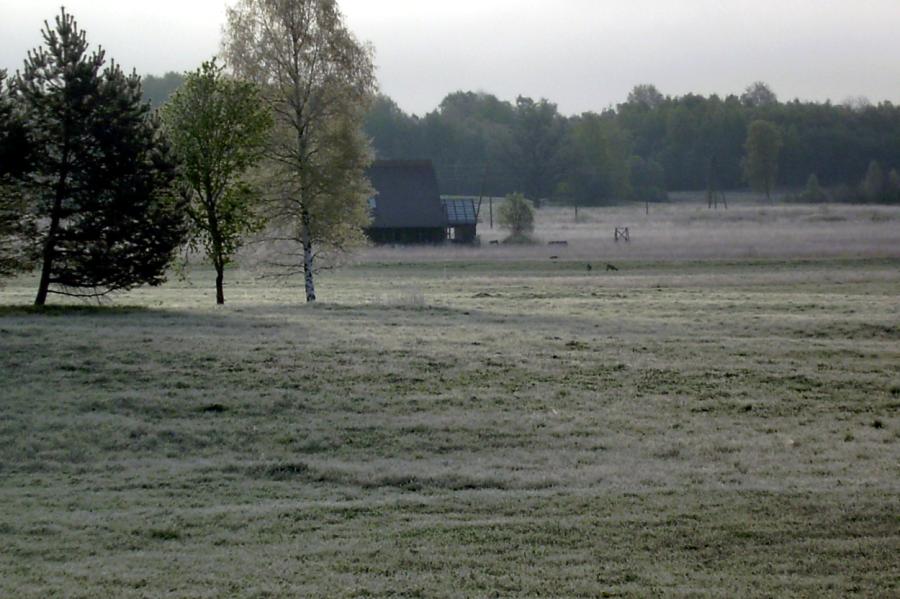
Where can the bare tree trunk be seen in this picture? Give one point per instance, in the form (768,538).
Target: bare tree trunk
(49,250)
(44,285)
(306,236)
(220,277)
(50,245)
(218,251)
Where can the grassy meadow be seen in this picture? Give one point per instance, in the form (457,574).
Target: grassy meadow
(719,417)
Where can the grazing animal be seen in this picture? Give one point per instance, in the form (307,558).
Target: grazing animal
(562,242)
(554,257)
(610,267)
(495,242)
(589,267)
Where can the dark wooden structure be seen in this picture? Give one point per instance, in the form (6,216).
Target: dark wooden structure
(462,220)
(406,208)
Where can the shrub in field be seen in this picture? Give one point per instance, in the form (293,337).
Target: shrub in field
(516,215)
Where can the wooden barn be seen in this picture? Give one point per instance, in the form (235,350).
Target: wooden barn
(407,205)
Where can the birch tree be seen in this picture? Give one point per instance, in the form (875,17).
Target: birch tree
(318,80)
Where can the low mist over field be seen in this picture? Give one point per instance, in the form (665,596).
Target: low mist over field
(685,230)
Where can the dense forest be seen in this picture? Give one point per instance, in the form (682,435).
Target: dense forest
(642,148)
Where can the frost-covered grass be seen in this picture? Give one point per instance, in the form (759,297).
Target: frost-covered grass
(460,428)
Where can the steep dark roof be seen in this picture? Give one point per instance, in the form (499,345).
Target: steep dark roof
(407,195)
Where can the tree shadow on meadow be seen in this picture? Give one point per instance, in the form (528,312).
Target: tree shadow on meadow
(12,310)
(120,314)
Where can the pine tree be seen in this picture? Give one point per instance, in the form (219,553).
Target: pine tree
(99,176)
(14,222)
(13,146)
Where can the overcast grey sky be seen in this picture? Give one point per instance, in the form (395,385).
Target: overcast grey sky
(582,54)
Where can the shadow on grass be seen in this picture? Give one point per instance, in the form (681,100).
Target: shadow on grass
(75,310)
(139,315)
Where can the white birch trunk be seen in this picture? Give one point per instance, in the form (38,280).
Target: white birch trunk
(307,257)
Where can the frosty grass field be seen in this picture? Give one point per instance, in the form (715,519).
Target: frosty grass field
(716,418)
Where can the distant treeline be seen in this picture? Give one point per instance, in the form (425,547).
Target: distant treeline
(638,150)
(158,89)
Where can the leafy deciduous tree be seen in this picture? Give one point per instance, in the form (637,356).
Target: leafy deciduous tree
(99,175)
(319,81)
(392,131)
(535,148)
(758,94)
(597,152)
(894,186)
(872,186)
(646,95)
(813,192)
(218,128)
(648,180)
(761,161)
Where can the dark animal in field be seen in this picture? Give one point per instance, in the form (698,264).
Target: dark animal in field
(561,242)
(494,242)
(610,267)
(589,267)
(554,257)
